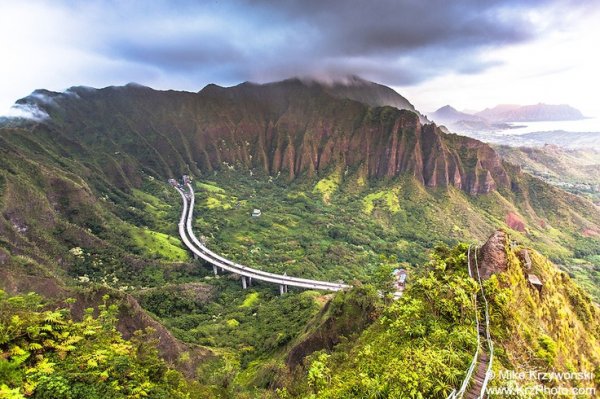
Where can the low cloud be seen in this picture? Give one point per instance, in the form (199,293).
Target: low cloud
(27,111)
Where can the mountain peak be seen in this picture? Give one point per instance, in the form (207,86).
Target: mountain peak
(446,108)
(350,87)
(373,94)
(135,85)
(449,115)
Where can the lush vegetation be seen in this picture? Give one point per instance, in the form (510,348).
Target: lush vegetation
(301,231)
(47,354)
(576,171)
(250,324)
(555,330)
(349,229)
(420,346)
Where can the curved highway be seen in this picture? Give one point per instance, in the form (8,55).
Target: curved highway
(190,241)
(228,262)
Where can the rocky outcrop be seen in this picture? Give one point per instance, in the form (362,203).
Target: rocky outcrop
(492,255)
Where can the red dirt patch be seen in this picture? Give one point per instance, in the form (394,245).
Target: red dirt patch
(515,222)
(15,283)
(590,233)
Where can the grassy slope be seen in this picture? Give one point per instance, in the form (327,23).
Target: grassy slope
(421,345)
(338,226)
(344,227)
(65,228)
(418,347)
(349,229)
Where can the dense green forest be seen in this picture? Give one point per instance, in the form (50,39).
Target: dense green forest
(47,354)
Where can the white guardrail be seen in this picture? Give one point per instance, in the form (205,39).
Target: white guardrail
(185,229)
(240,266)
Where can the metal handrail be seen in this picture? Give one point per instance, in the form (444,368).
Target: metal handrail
(487,334)
(458,394)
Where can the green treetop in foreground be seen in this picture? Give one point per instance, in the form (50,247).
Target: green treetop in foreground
(46,354)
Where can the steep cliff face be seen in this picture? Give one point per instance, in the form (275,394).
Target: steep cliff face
(290,127)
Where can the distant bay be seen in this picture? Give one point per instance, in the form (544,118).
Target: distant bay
(583,133)
(577,126)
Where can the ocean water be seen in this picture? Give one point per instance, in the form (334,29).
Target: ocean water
(580,126)
(583,133)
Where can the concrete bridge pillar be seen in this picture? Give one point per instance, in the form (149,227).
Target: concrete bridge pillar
(249,281)
(285,287)
(195,256)
(215,269)
(281,289)
(244,283)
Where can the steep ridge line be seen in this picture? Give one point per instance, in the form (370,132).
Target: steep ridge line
(460,393)
(482,360)
(185,228)
(488,336)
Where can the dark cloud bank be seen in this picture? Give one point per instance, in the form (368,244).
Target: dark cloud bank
(395,42)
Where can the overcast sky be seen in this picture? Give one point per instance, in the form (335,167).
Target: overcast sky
(470,54)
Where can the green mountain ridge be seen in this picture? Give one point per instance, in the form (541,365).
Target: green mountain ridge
(346,190)
(287,127)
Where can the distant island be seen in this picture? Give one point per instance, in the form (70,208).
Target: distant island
(531,113)
(498,117)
